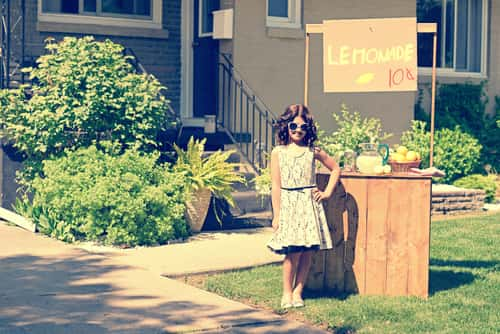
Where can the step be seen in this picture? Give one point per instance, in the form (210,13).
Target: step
(250,201)
(249,186)
(233,157)
(263,218)
(215,141)
(249,220)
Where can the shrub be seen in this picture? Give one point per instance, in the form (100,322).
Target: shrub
(212,172)
(126,199)
(478,181)
(262,182)
(352,130)
(461,104)
(455,152)
(464,105)
(83,91)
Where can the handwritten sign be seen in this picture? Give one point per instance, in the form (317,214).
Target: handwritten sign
(370,55)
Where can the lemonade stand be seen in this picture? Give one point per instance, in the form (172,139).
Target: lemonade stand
(379,216)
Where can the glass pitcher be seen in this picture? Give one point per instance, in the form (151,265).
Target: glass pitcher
(371,155)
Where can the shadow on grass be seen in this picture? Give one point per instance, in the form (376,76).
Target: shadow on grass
(342,330)
(310,294)
(441,280)
(465,264)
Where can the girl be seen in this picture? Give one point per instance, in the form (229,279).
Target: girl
(299,220)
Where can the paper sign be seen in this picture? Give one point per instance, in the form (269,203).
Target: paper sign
(370,55)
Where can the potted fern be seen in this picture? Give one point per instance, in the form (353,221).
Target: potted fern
(204,177)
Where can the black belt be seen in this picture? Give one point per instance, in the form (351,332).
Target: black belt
(299,188)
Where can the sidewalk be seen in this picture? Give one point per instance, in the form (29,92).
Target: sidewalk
(51,287)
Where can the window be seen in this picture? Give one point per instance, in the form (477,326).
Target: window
(118,8)
(206,17)
(140,18)
(461,34)
(284,13)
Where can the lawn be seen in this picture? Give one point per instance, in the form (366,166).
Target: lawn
(464,289)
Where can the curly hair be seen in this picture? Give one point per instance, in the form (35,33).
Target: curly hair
(288,116)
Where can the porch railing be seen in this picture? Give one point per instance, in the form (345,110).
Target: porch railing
(243,116)
(12,43)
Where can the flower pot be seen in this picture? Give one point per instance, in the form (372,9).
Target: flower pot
(197,209)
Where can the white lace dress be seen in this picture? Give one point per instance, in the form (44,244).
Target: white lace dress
(302,221)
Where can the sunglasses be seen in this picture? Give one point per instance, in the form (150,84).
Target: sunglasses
(294,126)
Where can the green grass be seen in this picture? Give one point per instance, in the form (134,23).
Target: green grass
(464,289)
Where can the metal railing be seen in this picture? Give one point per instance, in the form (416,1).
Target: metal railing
(12,33)
(243,116)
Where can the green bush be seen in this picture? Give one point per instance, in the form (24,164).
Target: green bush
(455,152)
(262,182)
(461,104)
(352,130)
(125,199)
(83,91)
(464,105)
(478,181)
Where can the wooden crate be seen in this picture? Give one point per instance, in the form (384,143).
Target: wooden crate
(380,228)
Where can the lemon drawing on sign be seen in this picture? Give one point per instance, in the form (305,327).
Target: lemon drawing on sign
(365,78)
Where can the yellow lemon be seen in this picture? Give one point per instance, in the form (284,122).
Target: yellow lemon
(387,169)
(402,150)
(398,157)
(378,170)
(411,156)
(418,155)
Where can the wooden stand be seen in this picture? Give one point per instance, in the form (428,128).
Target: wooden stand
(380,228)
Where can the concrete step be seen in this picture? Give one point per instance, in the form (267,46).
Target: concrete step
(257,219)
(248,220)
(215,141)
(233,158)
(250,201)
(249,186)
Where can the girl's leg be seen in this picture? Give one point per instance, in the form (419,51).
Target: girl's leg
(290,264)
(304,264)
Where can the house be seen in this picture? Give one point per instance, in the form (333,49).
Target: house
(252,65)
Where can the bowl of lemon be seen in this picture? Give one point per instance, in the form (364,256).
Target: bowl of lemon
(402,160)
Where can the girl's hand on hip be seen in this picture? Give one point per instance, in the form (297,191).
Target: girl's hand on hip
(319,195)
(275,223)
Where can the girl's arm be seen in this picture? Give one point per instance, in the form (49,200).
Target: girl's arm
(275,186)
(329,163)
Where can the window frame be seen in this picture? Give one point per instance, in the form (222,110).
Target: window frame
(200,22)
(452,71)
(294,19)
(154,21)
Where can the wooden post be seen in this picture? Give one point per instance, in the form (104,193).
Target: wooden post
(433,96)
(306,71)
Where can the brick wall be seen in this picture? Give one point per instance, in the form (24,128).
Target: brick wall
(160,57)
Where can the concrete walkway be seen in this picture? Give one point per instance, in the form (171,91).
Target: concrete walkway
(51,287)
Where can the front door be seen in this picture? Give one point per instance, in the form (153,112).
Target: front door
(204,59)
